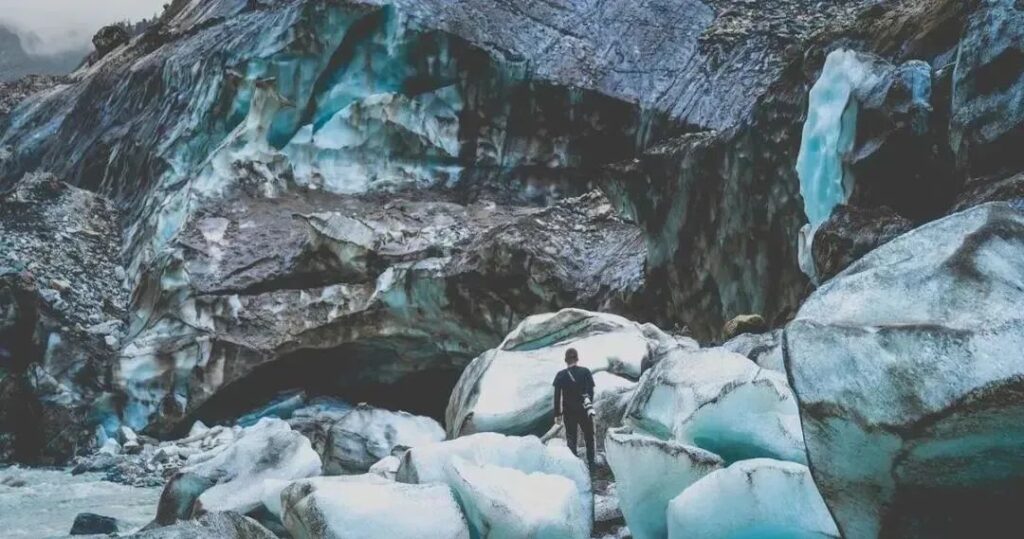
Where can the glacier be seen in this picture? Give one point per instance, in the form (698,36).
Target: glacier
(829,133)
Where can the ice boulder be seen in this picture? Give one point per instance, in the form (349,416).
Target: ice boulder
(752,498)
(611,397)
(270,449)
(765,349)
(910,379)
(429,463)
(274,488)
(371,509)
(365,435)
(226,525)
(508,389)
(650,472)
(508,503)
(719,401)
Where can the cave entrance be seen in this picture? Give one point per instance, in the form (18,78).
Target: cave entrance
(381,378)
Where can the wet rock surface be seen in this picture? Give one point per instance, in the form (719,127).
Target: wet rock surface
(851,233)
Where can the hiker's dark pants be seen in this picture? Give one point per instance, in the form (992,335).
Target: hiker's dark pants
(574,421)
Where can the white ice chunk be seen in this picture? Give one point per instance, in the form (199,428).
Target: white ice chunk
(760,498)
(650,472)
(503,503)
(372,510)
(719,401)
(267,450)
(427,463)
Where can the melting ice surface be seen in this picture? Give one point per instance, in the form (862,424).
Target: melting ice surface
(49,500)
(829,134)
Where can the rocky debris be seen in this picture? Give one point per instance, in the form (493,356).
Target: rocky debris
(765,349)
(225,525)
(909,396)
(69,239)
(850,233)
(980,191)
(365,510)
(93,524)
(722,402)
(765,498)
(744,323)
(13,93)
(507,502)
(431,463)
(109,38)
(59,250)
(650,472)
(988,91)
(508,389)
(267,450)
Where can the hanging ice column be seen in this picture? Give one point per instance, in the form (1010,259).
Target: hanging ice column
(828,136)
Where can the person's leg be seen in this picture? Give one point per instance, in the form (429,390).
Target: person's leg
(571,427)
(588,437)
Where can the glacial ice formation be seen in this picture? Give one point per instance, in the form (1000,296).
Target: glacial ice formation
(265,451)
(828,137)
(722,402)
(907,370)
(367,434)
(429,463)
(649,473)
(758,498)
(505,503)
(508,389)
(370,510)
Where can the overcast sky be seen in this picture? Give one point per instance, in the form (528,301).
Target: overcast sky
(65,24)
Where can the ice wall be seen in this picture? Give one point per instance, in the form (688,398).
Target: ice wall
(828,136)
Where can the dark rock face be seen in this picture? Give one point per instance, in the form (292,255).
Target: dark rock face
(987,124)
(93,524)
(702,199)
(62,313)
(851,233)
(984,190)
(109,38)
(900,158)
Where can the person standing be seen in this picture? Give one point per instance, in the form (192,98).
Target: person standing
(574,395)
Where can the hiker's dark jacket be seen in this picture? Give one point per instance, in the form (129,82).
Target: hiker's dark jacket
(571,385)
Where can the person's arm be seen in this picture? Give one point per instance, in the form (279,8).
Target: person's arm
(558,398)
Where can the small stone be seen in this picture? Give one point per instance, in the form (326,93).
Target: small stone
(744,323)
(125,434)
(119,273)
(60,285)
(111,341)
(93,524)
